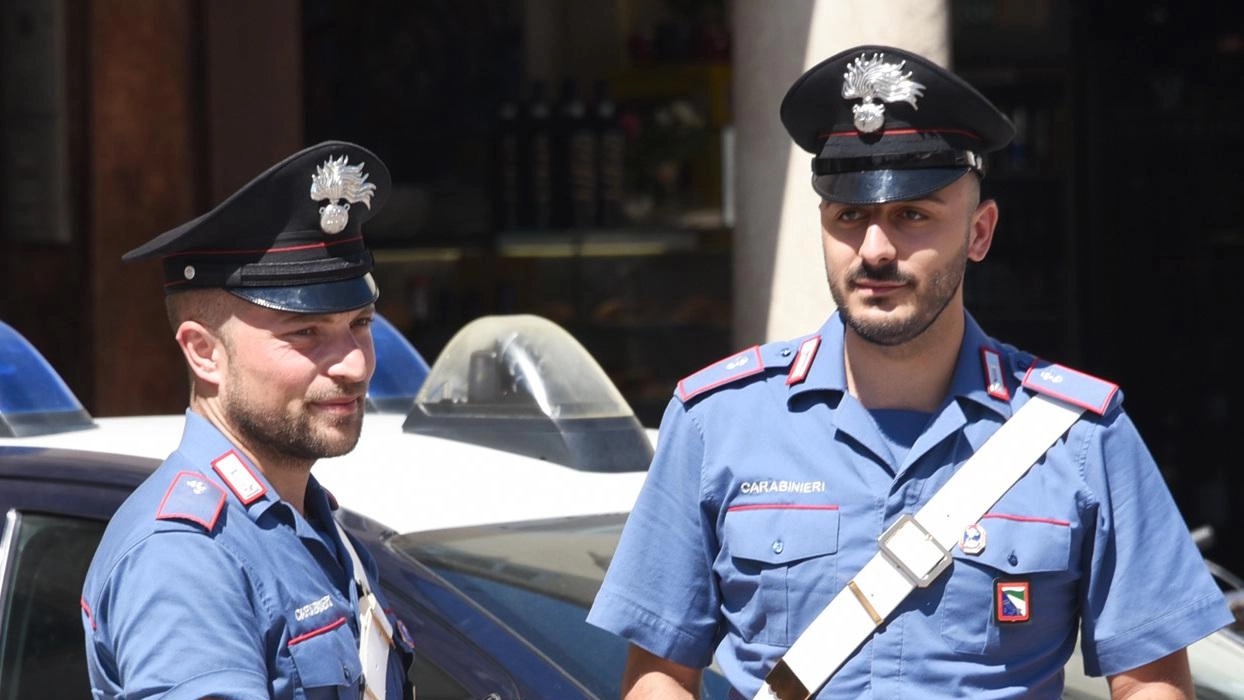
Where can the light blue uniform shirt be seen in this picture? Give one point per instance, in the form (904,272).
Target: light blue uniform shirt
(765,498)
(193,592)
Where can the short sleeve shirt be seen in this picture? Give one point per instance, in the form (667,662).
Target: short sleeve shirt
(767,496)
(207,584)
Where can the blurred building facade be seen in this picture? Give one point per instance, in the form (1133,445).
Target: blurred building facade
(619,168)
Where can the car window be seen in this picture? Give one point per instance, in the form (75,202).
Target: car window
(433,683)
(556,627)
(44,559)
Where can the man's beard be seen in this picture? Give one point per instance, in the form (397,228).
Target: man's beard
(931,301)
(303,436)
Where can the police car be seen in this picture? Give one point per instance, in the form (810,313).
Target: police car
(494,594)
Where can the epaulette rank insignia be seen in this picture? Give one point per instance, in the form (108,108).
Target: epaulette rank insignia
(995,379)
(246,486)
(735,367)
(1076,388)
(192,497)
(803,361)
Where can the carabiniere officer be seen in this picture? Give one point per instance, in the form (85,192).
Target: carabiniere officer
(816,515)
(225,574)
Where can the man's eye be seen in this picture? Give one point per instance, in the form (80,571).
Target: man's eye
(850,215)
(913,215)
(363,321)
(303,332)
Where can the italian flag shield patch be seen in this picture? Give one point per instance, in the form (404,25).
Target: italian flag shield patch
(1012,602)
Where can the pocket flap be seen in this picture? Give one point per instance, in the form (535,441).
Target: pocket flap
(327,656)
(1020,545)
(779,534)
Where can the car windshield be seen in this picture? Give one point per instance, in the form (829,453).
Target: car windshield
(540,577)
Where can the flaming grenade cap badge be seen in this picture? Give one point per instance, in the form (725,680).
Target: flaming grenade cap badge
(872,79)
(334,181)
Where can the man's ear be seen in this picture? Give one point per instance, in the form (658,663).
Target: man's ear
(204,351)
(984,220)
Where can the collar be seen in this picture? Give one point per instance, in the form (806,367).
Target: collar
(828,372)
(971,378)
(212,454)
(320,503)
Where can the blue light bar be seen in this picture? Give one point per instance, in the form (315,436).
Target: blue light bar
(400,369)
(34,400)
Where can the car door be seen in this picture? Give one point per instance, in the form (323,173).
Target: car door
(462,651)
(50,532)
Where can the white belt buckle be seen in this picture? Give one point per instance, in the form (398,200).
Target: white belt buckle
(913,551)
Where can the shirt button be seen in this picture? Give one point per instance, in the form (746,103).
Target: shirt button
(785,352)
(777,547)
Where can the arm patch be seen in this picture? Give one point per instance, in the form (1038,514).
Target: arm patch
(192,498)
(1074,387)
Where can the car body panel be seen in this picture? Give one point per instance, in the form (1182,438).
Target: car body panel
(417,482)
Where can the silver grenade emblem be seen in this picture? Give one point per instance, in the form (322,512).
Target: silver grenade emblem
(872,79)
(337,180)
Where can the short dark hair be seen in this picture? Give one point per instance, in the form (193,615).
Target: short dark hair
(211,307)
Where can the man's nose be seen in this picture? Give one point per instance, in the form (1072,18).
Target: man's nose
(354,360)
(877,248)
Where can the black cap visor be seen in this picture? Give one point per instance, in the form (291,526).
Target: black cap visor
(322,298)
(881,186)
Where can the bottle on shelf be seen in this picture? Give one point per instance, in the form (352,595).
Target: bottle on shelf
(574,178)
(537,209)
(507,164)
(610,156)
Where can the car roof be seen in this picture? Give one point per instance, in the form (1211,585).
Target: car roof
(414,482)
(77,466)
(407,482)
(153,437)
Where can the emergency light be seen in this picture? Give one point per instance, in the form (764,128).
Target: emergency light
(400,369)
(34,400)
(522,383)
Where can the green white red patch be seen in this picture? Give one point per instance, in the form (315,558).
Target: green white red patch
(1012,601)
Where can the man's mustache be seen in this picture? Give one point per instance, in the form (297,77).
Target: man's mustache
(885,273)
(352,391)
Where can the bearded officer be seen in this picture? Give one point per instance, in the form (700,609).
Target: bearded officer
(780,470)
(225,574)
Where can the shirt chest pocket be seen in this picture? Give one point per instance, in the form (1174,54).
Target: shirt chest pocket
(1016,594)
(327,662)
(779,568)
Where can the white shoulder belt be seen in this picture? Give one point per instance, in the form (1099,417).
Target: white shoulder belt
(375,632)
(915,550)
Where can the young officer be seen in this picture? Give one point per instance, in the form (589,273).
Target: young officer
(828,478)
(225,574)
